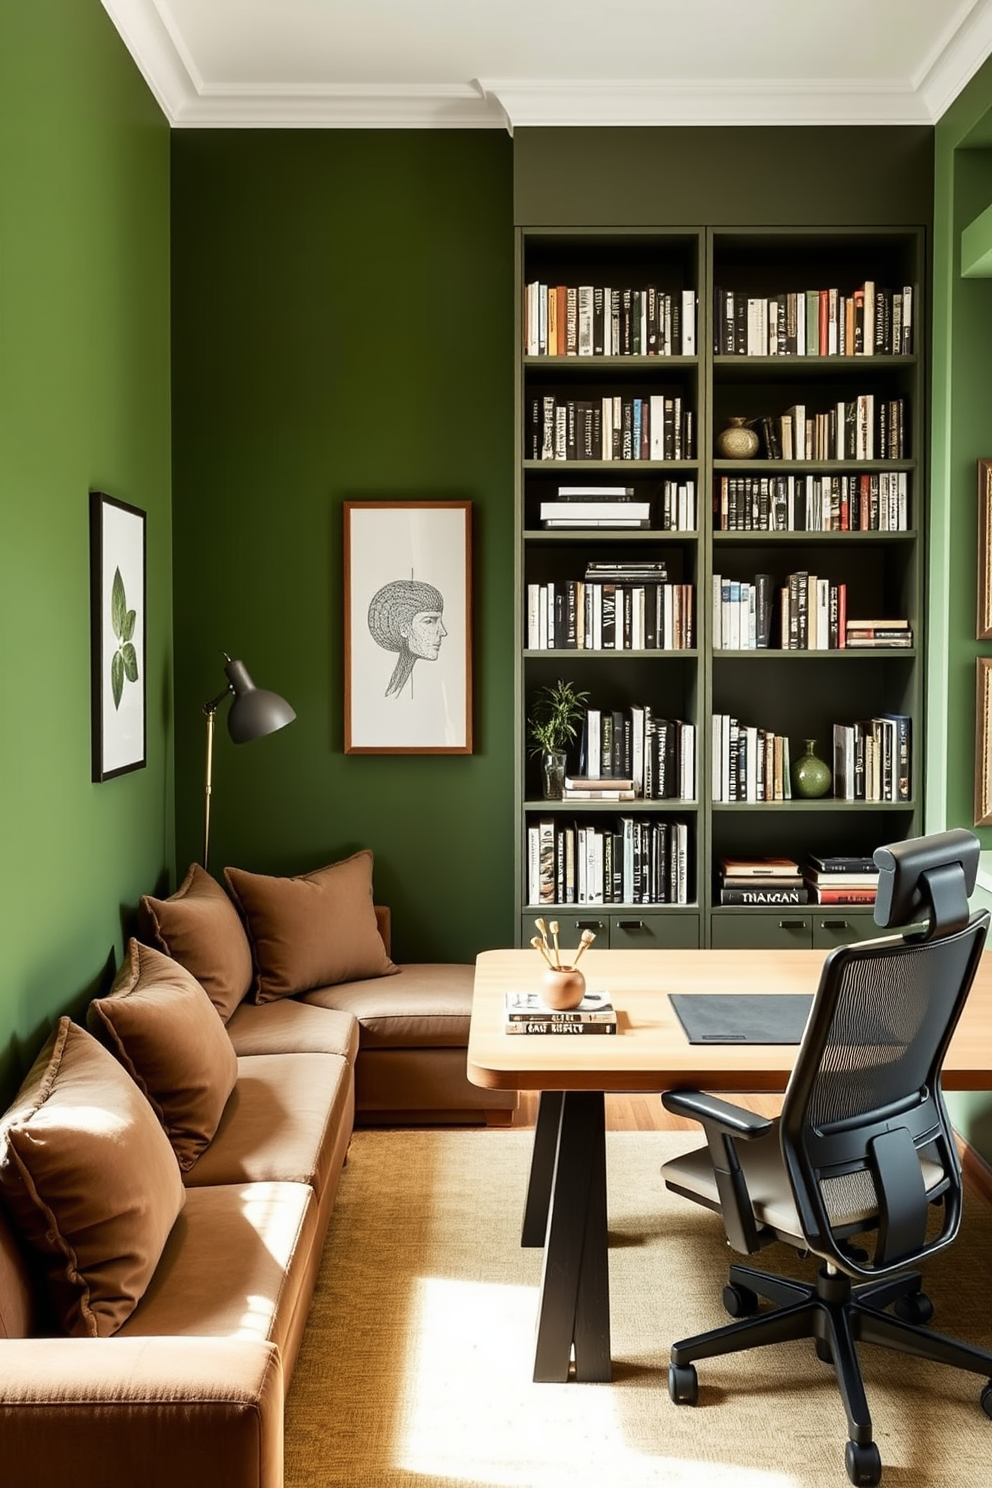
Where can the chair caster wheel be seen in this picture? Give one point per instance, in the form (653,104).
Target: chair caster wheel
(915,1307)
(683,1384)
(739,1301)
(986,1398)
(863,1463)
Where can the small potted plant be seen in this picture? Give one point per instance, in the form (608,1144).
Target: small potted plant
(552,725)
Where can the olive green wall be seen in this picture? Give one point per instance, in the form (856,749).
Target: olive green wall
(962,433)
(84,402)
(342,330)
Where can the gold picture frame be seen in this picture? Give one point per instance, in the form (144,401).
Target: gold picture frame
(983,742)
(983,625)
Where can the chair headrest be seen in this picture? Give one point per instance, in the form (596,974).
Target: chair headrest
(927,878)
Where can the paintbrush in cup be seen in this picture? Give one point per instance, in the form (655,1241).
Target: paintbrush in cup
(553,927)
(588,936)
(538,945)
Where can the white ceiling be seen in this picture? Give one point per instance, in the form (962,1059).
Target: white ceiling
(507,63)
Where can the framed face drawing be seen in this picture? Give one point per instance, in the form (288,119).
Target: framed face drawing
(118,609)
(407,627)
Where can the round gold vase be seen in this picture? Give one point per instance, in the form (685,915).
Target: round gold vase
(737,441)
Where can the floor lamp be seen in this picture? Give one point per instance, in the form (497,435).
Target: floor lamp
(254,713)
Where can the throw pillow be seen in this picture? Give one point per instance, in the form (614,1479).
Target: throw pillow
(312,930)
(89,1180)
(161,1025)
(198,926)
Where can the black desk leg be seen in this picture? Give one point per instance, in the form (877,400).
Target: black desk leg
(575,1285)
(542,1169)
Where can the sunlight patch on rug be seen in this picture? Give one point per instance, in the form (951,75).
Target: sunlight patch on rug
(472,1415)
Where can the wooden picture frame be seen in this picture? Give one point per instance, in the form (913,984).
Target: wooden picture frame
(983,741)
(983,625)
(407,627)
(118,608)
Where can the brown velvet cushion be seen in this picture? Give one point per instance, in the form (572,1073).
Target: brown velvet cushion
(312,930)
(165,1031)
(89,1180)
(198,926)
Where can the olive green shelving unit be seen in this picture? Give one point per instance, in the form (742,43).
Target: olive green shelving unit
(800,694)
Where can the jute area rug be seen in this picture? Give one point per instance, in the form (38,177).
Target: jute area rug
(415,1370)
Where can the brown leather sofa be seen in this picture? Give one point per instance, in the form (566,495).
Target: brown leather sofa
(170,1363)
(189,1388)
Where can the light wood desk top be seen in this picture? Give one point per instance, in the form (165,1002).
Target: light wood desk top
(650,1050)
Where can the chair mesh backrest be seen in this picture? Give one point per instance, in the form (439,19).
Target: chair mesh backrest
(870,1060)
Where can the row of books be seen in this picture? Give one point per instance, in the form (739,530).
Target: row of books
(870,321)
(673,509)
(593,320)
(812,614)
(833,880)
(861,428)
(873,759)
(630,861)
(749,763)
(812,503)
(652,426)
(607,614)
(655,757)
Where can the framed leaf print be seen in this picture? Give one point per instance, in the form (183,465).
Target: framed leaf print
(118,610)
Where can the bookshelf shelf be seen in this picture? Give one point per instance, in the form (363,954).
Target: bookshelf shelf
(879,572)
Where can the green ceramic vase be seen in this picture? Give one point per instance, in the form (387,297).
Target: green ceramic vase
(810,775)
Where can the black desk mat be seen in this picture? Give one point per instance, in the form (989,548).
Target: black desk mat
(742,1017)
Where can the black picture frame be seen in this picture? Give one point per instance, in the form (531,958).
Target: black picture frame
(118,610)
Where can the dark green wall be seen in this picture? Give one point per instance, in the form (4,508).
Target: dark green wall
(84,402)
(342,330)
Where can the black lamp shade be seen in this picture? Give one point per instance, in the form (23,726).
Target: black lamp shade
(255,711)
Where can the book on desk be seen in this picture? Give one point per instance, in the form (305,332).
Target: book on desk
(526,1013)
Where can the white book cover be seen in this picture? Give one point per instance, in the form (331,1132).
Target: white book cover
(717,612)
(585,299)
(533,622)
(688,322)
(687,736)
(657,426)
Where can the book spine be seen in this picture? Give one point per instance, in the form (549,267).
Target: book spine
(566,1028)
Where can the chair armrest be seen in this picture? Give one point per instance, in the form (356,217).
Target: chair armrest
(734,1120)
(723,1125)
(159,1412)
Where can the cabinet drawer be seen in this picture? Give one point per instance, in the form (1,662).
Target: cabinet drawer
(842,926)
(571,923)
(636,931)
(754,930)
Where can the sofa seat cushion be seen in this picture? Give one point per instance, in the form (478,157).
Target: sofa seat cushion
(162,1026)
(282,1123)
(291,1027)
(90,1181)
(235,1266)
(312,929)
(425,1006)
(199,927)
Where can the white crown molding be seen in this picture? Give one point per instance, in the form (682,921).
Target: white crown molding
(189,102)
(955,59)
(711,102)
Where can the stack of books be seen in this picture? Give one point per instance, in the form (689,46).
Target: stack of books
(595,506)
(842,880)
(757,881)
(526,1013)
(878,634)
(598,788)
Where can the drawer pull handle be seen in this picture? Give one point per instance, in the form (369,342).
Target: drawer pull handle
(834,925)
(588,924)
(792,924)
(630,924)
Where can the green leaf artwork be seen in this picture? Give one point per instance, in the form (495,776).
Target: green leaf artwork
(124,662)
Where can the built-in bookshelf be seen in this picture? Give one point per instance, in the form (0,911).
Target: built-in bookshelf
(747,601)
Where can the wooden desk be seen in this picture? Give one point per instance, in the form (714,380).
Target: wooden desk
(566,1200)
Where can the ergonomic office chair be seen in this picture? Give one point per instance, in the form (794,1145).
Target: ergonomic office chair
(863,1147)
